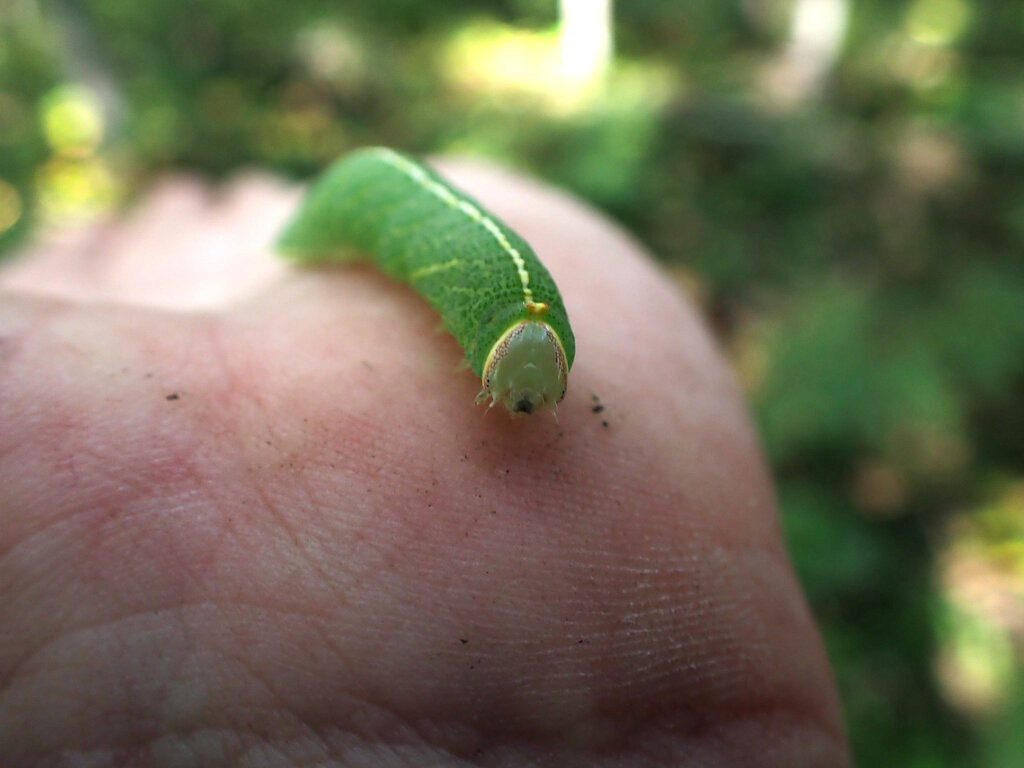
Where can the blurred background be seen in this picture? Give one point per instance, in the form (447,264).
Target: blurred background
(839,184)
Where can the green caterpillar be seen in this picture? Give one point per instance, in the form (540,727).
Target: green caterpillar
(493,294)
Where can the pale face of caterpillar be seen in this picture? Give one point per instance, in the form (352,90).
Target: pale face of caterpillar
(526,369)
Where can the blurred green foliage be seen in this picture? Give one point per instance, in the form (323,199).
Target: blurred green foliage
(856,243)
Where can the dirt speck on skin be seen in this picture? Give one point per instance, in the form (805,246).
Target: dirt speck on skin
(173,396)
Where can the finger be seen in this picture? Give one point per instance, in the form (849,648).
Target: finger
(185,246)
(618,576)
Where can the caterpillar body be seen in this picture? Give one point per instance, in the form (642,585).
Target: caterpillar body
(492,292)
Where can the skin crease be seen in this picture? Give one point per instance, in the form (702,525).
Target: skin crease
(251,516)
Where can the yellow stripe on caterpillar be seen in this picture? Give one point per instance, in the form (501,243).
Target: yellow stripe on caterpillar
(431,269)
(417,174)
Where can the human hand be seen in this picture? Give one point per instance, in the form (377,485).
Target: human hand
(250,516)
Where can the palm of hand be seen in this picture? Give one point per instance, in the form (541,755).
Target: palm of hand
(277,531)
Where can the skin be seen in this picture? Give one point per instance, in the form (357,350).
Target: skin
(251,516)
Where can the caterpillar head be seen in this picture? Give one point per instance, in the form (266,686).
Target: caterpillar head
(526,369)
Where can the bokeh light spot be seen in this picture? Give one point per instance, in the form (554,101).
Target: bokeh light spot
(937,22)
(332,54)
(75,188)
(72,119)
(10,206)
